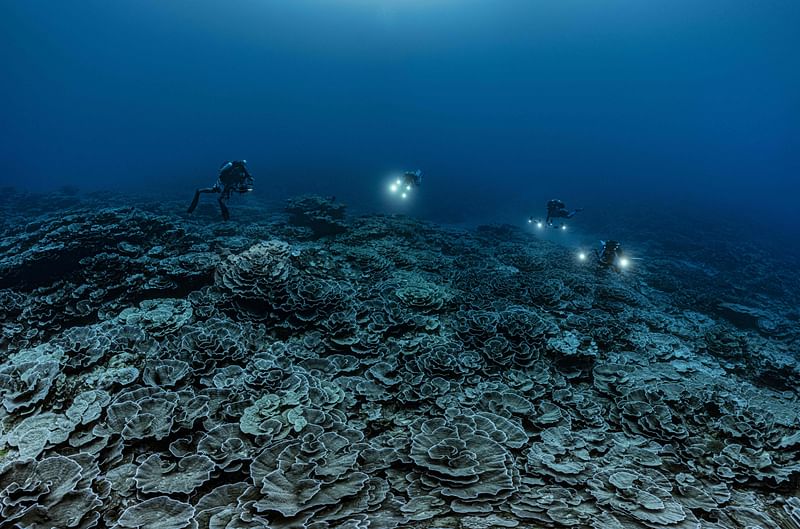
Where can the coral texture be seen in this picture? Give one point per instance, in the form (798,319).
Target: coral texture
(324,372)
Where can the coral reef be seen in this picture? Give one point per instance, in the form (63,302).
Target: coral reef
(166,373)
(322,215)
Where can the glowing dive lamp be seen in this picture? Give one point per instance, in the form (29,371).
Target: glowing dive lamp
(398,187)
(623,262)
(563,226)
(582,256)
(539,224)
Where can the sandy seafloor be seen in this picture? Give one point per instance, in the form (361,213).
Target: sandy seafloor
(317,370)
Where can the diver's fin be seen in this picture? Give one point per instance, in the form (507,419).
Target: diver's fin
(193,205)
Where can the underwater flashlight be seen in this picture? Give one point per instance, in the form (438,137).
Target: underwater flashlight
(398,182)
(582,256)
(538,224)
(623,262)
(404,195)
(563,226)
(393,188)
(408,188)
(530,221)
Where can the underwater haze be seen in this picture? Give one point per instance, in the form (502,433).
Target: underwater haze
(671,105)
(583,312)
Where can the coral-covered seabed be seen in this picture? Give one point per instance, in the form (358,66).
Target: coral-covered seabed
(318,371)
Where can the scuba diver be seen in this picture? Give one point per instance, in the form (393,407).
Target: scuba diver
(611,255)
(556,209)
(412,179)
(233,176)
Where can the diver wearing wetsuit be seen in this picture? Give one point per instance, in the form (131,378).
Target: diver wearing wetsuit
(233,177)
(556,209)
(412,179)
(610,255)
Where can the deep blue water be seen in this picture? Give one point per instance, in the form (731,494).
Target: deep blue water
(664,106)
